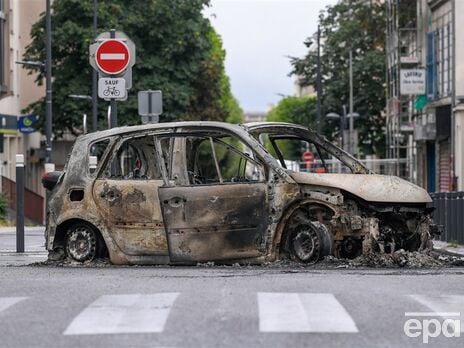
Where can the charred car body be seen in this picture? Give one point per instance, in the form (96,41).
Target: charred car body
(188,192)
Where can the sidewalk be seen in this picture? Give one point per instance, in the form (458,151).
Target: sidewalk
(445,247)
(34,246)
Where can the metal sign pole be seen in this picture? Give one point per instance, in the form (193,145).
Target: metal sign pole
(94,75)
(19,203)
(113,103)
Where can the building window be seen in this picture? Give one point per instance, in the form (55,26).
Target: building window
(431,85)
(3,48)
(443,49)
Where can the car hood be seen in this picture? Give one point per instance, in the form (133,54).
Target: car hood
(370,187)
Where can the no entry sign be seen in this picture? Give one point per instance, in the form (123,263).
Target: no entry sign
(308,156)
(112,56)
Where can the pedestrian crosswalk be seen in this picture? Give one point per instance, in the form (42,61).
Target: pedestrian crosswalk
(274,312)
(294,312)
(124,314)
(6,302)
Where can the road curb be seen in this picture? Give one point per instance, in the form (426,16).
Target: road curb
(443,247)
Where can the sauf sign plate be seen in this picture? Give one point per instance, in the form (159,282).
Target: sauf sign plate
(412,81)
(112,88)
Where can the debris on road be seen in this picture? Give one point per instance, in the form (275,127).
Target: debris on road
(397,259)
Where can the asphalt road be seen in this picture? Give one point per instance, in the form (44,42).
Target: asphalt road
(223,307)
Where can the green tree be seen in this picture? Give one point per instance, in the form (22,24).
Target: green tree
(360,26)
(177,50)
(299,110)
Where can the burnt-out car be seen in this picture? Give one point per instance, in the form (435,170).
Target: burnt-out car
(188,192)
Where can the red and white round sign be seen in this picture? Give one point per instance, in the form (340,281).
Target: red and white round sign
(112,56)
(308,156)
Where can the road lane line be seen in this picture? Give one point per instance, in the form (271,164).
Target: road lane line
(444,306)
(303,312)
(6,302)
(134,313)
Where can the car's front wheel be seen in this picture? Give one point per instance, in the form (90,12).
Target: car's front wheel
(310,242)
(82,242)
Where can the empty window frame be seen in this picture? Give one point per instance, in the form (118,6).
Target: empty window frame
(204,160)
(134,159)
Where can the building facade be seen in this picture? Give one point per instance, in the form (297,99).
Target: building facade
(17,90)
(425,125)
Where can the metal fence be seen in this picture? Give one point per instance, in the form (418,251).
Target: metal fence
(449,211)
(387,166)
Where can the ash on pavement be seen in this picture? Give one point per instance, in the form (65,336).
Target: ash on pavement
(398,259)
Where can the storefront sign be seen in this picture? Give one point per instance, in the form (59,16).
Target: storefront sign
(8,124)
(26,124)
(412,81)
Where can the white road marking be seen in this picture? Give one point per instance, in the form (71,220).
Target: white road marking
(112,56)
(135,313)
(444,306)
(303,312)
(6,302)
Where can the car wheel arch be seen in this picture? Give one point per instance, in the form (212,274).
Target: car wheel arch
(281,233)
(63,227)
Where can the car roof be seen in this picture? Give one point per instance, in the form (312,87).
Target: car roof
(155,126)
(257,125)
(124,130)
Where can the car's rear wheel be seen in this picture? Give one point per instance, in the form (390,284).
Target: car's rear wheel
(82,242)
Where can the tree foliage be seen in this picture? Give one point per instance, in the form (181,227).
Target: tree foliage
(177,52)
(358,26)
(299,110)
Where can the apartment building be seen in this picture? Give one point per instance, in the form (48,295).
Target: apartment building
(17,91)
(425,124)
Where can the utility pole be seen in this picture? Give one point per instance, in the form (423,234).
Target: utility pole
(48,84)
(319,81)
(351,140)
(94,75)
(342,127)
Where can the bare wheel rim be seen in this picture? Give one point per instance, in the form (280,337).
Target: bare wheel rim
(306,244)
(81,243)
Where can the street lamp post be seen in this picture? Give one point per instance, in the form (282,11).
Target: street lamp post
(351,140)
(342,118)
(319,81)
(84,115)
(48,84)
(308,43)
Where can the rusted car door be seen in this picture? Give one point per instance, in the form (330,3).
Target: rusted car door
(207,215)
(127,194)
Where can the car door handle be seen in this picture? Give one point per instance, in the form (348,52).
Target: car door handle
(175,202)
(109,195)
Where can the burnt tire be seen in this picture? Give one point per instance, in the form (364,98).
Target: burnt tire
(83,242)
(310,242)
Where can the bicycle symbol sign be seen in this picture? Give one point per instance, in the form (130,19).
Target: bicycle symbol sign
(112,88)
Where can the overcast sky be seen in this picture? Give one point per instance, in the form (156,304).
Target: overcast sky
(257,36)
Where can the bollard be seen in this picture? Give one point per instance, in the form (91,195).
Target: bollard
(19,203)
